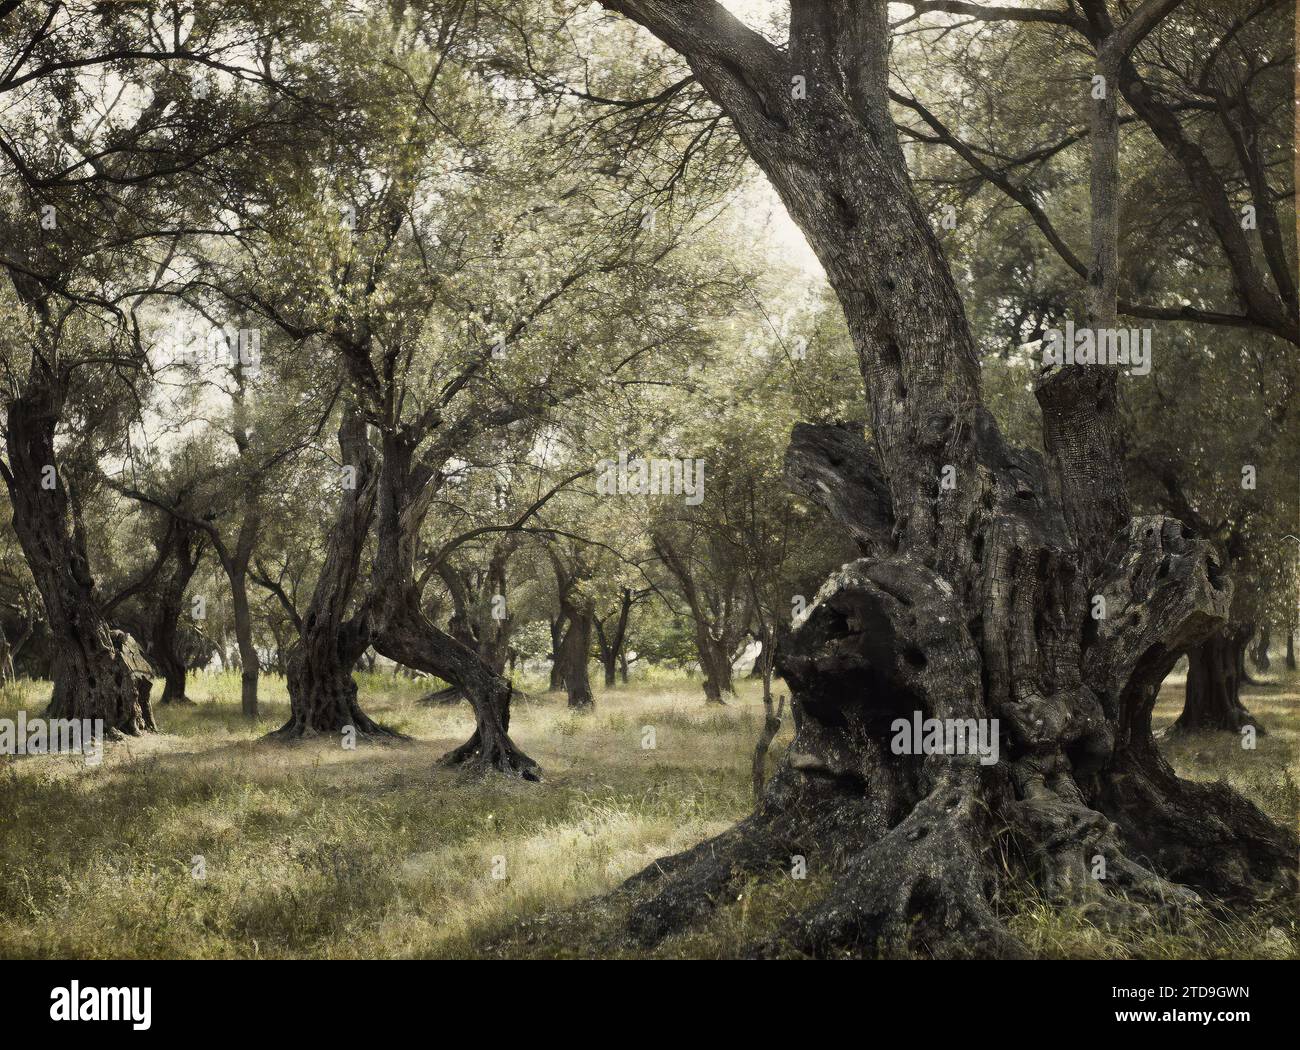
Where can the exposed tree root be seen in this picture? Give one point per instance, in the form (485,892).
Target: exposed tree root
(499,756)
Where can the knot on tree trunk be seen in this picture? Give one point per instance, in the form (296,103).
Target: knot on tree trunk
(835,468)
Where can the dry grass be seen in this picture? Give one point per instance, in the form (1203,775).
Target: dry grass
(316,851)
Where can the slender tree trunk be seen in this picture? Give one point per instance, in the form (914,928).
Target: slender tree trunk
(13,649)
(614,643)
(496,622)
(771,715)
(92,680)
(622,664)
(713,645)
(1290,650)
(6,658)
(237,574)
(557,671)
(1261,647)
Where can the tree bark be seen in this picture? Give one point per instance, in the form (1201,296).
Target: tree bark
(92,678)
(609,664)
(715,662)
(574,655)
(556,682)
(1213,690)
(186,552)
(237,574)
(495,631)
(762,663)
(718,623)
(613,642)
(475,622)
(771,714)
(322,691)
(1290,650)
(578,610)
(1262,642)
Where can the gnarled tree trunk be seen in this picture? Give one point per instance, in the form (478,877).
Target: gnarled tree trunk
(322,691)
(92,678)
(974,601)
(186,551)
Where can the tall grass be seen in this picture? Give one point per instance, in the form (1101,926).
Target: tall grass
(311,850)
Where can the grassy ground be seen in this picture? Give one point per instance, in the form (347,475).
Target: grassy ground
(311,850)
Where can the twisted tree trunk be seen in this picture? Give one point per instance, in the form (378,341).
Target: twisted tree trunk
(401,631)
(996,591)
(322,691)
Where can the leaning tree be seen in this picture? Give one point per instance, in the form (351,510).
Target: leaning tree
(981,563)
